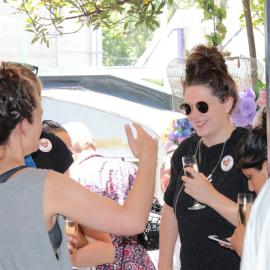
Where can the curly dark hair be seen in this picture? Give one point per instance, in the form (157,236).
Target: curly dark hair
(17,99)
(206,66)
(251,151)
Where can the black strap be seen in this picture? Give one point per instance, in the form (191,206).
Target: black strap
(6,175)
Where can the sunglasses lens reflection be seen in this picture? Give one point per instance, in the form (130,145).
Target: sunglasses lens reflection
(185,109)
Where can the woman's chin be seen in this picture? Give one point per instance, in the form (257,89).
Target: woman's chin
(201,132)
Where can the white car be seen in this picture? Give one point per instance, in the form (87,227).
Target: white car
(66,100)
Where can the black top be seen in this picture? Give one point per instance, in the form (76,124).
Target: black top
(53,155)
(197,251)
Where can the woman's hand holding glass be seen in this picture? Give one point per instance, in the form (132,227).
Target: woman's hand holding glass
(190,161)
(198,187)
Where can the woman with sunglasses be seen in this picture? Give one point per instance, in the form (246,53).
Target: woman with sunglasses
(33,201)
(210,96)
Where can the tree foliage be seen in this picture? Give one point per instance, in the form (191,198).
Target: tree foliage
(124,49)
(47,18)
(257,13)
(127,25)
(121,49)
(217,15)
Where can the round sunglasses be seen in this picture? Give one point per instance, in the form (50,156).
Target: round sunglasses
(201,106)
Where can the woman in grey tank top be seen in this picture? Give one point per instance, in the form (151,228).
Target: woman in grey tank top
(31,200)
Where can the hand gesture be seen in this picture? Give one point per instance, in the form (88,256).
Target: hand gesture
(143,144)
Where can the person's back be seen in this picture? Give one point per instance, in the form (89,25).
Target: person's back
(18,195)
(20,128)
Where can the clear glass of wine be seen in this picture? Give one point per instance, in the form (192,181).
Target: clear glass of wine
(190,161)
(244,203)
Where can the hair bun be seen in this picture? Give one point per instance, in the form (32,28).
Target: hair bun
(204,59)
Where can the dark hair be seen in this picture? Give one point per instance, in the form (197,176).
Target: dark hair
(51,126)
(206,66)
(26,71)
(16,98)
(251,151)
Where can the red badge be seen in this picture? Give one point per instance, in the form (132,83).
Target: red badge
(227,163)
(45,145)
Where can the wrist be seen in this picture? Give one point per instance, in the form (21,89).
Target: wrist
(213,198)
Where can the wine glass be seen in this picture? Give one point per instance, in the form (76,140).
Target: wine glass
(71,228)
(190,161)
(244,203)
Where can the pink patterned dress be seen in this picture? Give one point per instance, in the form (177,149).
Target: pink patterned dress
(113,178)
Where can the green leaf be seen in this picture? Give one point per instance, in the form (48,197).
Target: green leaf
(35,39)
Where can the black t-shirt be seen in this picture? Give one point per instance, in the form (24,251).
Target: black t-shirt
(52,154)
(197,251)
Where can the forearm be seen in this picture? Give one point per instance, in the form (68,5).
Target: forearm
(237,239)
(224,206)
(94,254)
(140,198)
(168,236)
(97,235)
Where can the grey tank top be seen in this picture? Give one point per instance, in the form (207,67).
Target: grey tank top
(24,239)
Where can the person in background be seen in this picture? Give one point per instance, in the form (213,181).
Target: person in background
(257,236)
(112,178)
(93,247)
(39,198)
(251,156)
(210,96)
(52,153)
(50,126)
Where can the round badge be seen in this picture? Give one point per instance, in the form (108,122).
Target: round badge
(227,163)
(44,145)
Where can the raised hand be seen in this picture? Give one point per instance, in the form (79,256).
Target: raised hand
(143,143)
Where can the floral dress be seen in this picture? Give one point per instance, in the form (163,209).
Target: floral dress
(113,178)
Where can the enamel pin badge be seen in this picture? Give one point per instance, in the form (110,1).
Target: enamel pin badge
(45,145)
(227,163)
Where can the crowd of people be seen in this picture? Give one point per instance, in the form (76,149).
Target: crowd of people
(50,172)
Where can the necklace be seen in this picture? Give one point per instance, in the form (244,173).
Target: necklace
(209,177)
